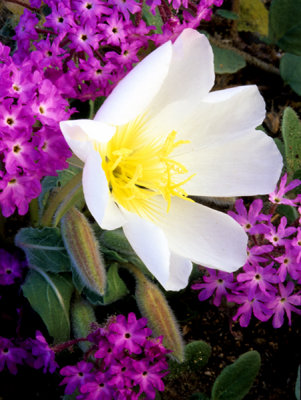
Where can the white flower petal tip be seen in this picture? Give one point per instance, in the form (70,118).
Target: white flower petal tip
(133,93)
(80,133)
(179,272)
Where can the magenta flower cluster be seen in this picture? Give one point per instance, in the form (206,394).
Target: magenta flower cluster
(266,285)
(34,352)
(78,50)
(31,145)
(124,363)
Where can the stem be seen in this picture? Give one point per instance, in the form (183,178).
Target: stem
(250,59)
(34,211)
(20,3)
(58,198)
(45,31)
(92,109)
(235,9)
(63,346)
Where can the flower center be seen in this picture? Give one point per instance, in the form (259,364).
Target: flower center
(139,167)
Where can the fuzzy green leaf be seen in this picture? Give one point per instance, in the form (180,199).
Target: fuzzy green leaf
(291,132)
(290,71)
(227,61)
(44,248)
(236,379)
(49,295)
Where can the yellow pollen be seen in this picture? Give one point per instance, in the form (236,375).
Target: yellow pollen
(139,167)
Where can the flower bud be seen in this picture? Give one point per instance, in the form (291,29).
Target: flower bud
(153,305)
(82,315)
(83,250)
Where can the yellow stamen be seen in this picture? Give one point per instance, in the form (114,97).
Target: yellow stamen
(138,168)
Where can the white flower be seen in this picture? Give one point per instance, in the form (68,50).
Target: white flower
(161,136)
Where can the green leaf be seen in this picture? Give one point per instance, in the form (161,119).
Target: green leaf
(44,248)
(117,241)
(48,183)
(253,17)
(116,288)
(67,174)
(291,132)
(289,212)
(290,71)
(227,61)
(236,379)
(284,16)
(291,41)
(49,295)
(297,175)
(227,14)
(151,19)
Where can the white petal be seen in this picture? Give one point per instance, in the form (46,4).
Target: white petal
(79,133)
(137,89)
(248,165)
(180,270)
(113,216)
(223,115)
(150,244)
(191,76)
(95,186)
(205,236)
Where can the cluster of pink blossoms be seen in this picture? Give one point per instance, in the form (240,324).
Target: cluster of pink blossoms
(76,49)
(266,284)
(124,363)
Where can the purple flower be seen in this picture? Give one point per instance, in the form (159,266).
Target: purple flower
(43,355)
(277,235)
(148,377)
(10,355)
(98,389)
(255,253)
(250,220)
(255,305)
(76,376)
(129,334)
(258,278)
(277,197)
(125,7)
(289,264)
(10,268)
(284,304)
(296,243)
(217,282)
